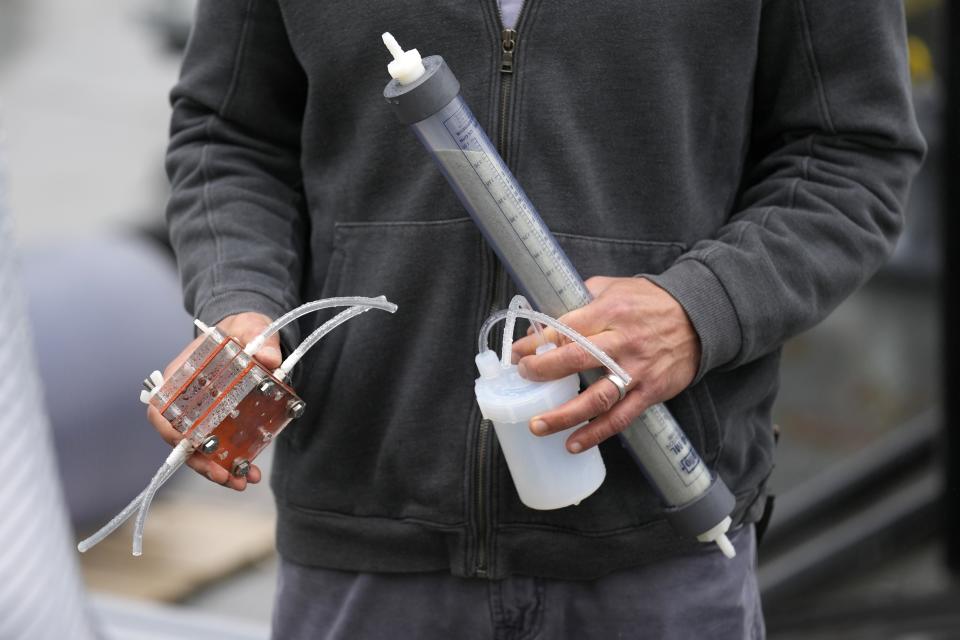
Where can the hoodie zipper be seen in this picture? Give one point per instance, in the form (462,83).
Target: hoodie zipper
(508,46)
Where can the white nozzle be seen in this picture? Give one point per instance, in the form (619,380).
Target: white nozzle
(718,534)
(407,66)
(488,364)
(202,326)
(254,345)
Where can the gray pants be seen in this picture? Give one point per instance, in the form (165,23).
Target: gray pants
(696,596)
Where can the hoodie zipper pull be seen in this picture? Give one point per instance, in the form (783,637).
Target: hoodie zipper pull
(508,42)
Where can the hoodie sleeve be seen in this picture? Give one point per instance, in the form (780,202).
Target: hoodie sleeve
(833,150)
(235,215)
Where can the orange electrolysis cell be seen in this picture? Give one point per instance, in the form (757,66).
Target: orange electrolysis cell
(229,405)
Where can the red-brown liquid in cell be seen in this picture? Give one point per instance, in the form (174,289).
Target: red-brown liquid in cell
(255,421)
(258,419)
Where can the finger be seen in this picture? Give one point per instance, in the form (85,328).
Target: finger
(527,345)
(248,326)
(570,358)
(269,354)
(218,475)
(595,400)
(587,323)
(610,423)
(587,320)
(170,435)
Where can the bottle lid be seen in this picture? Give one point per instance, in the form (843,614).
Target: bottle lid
(505,396)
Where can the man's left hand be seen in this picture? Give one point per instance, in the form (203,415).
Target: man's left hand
(639,325)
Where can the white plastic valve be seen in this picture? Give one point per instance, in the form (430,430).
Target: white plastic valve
(157,379)
(407,66)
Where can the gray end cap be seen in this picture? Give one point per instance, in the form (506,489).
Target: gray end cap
(704,512)
(425,96)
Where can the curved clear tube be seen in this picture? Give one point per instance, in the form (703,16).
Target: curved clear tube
(161,476)
(113,525)
(254,345)
(588,346)
(115,522)
(326,328)
(506,349)
(141,503)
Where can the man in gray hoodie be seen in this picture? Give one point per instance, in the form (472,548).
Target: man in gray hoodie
(750,159)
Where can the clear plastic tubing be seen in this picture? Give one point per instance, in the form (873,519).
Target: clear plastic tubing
(519,303)
(326,328)
(535,316)
(425,94)
(164,473)
(380,302)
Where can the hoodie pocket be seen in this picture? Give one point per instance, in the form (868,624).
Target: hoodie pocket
(389,397)
(626,498)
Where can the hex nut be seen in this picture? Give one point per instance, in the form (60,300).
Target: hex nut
(211,444)
(241,467)
(266,387)
(295,408)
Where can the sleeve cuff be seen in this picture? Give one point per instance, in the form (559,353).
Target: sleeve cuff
(704,298)
(220,306)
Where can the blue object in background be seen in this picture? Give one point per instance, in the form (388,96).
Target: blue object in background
(105,312)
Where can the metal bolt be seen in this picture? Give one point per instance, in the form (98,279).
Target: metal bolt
(295,408)
(241,467)
(266,387)
(211,444)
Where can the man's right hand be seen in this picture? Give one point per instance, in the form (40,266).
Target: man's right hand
(244,327)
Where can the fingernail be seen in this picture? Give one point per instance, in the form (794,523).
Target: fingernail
(522,369)
(539,427)
(575,447)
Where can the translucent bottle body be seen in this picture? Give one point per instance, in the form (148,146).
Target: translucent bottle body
(546,475)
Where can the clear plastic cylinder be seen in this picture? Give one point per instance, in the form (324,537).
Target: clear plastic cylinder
(542,271)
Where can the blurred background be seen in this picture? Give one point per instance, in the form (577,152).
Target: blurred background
(857,545)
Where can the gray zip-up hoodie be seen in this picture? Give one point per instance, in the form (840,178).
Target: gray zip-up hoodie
(754,156)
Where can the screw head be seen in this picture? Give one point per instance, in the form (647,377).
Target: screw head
(241,467)
(211,444)
(266,387)
(295,408)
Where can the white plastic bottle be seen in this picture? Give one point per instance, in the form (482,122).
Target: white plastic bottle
(546,475)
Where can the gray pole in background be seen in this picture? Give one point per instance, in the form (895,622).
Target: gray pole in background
(41,594)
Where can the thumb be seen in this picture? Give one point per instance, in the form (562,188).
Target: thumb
(269,354)
(247,326)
